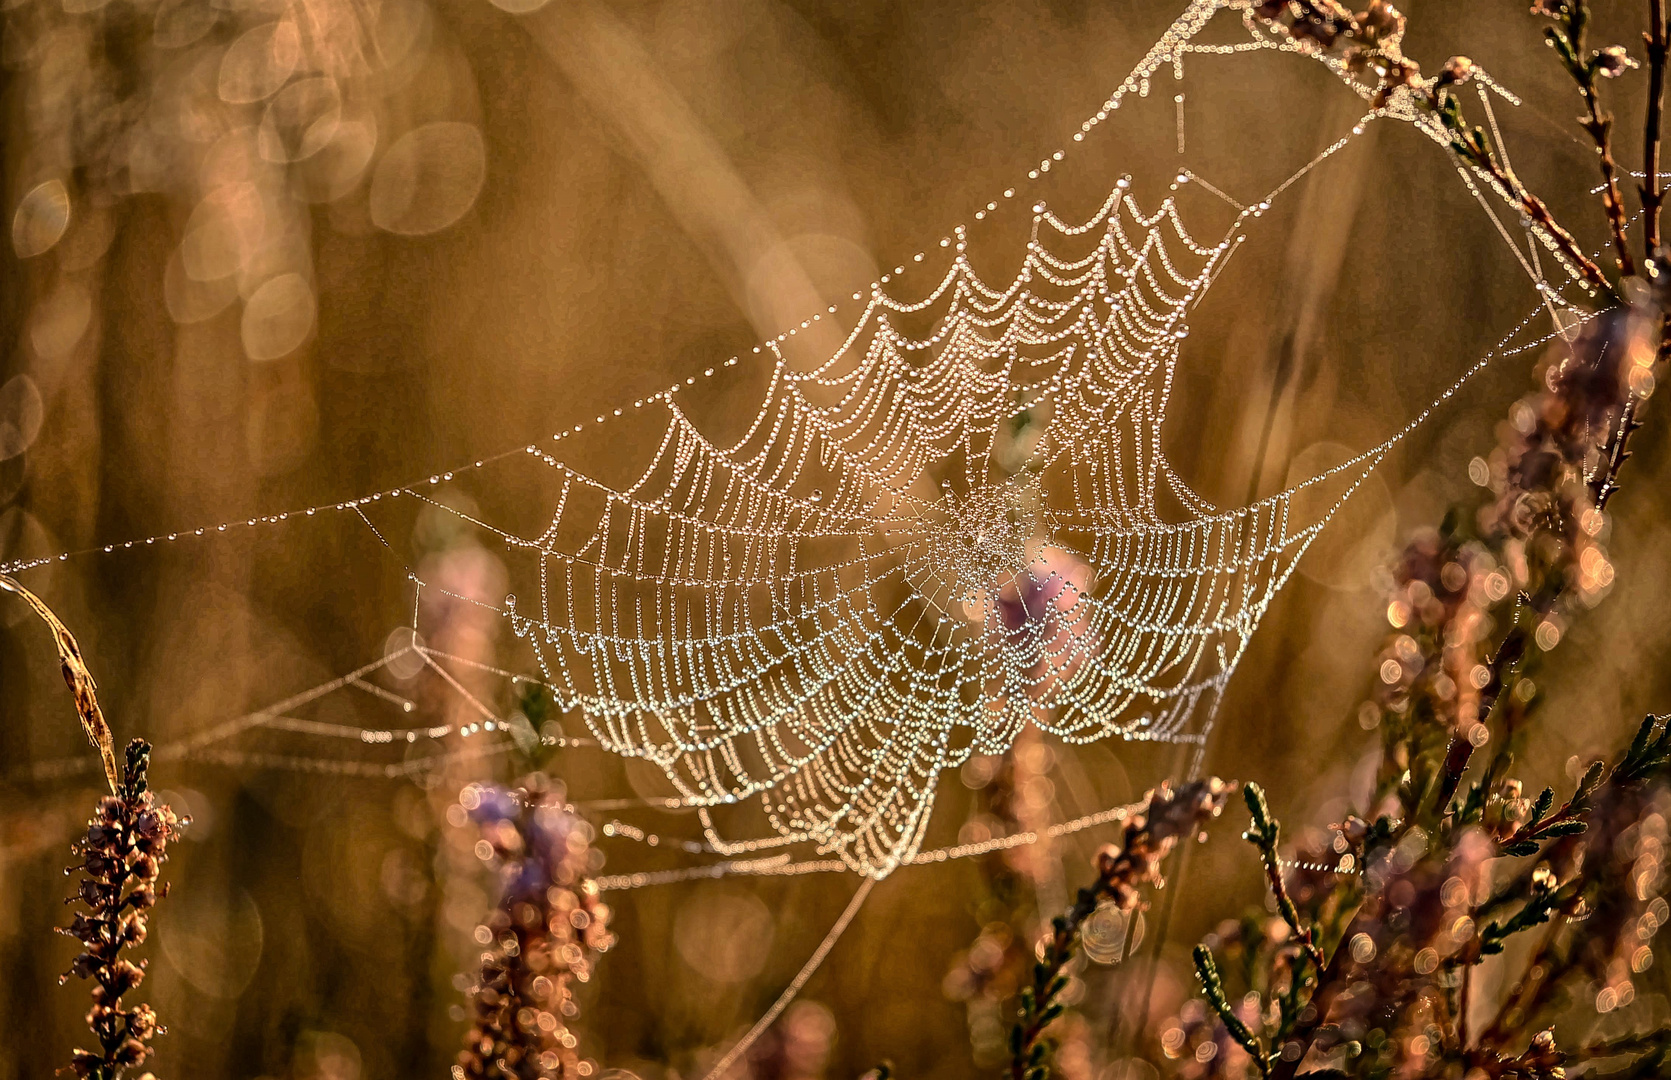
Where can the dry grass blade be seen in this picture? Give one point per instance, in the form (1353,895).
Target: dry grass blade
(77,678)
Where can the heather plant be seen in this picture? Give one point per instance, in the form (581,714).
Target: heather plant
(1166,816)
(122,855)
(1369,958)
(538,941)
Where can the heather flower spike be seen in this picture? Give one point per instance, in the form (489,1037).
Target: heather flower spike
(126,843)
(540,939)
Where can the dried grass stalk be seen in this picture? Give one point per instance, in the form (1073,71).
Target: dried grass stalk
(78,679)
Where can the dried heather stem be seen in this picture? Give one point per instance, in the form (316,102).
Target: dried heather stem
(1652,194)
(1567,36)
(126,843)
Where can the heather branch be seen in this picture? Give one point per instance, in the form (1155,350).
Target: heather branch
(1213,987)
(1471,144)
(1649,752)
(1652,195)
(1568,821)
(1647,758)
(1605,483)
(1265,833)
(1502,667)
(1544,901)
(1567,36)
(1150,835)
(1369,40)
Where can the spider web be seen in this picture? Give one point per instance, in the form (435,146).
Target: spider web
(958,521)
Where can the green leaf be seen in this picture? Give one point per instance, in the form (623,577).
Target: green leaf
(1541,809)
(1639,745)
(1591,780)
(1264,831)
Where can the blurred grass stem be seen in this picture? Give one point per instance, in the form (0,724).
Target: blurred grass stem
(77,678)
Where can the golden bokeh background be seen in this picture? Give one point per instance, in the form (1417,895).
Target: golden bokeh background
(267,254)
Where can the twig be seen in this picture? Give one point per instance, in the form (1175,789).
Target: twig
(1651,193)
(1265,833)
(1213,987)
(1605,483)
(78,679)
(1471,145)
(1568,40)
(1168,815)
(1600,127)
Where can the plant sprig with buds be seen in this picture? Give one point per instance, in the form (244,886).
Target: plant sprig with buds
(122,853)
(1450,864)
(1586,66)
(1167,815)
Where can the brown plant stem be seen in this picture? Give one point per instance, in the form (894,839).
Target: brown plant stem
(1597,122)
(1605,483)
(1652,194)
(1151,833)
(1600,126)
(1538,211)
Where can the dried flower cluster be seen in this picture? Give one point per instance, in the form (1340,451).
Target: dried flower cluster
(122,853)
(1362,41)
(541,937)
(1168,815)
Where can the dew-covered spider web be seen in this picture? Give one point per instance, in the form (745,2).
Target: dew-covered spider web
(949,515)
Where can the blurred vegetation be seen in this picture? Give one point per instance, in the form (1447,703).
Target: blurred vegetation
(273,254)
